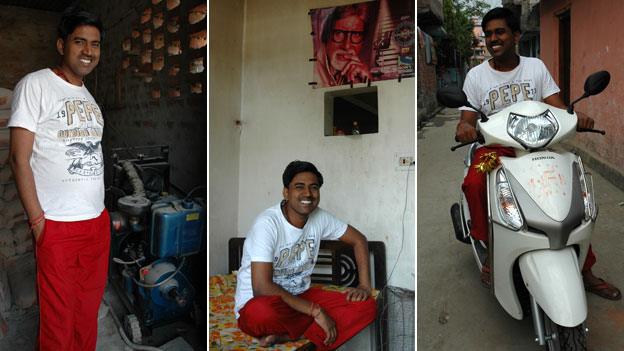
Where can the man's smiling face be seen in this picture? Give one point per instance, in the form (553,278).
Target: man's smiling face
(303,194)
(80,51)
(499,38)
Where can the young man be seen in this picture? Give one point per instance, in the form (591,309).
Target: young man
(338,62)
(493,85)
(274,301)
(56,157)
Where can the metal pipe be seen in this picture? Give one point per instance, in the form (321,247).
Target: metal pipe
(538,322)
(135,180)
(127,263)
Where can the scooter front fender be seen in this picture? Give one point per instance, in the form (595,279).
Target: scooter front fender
(554,279)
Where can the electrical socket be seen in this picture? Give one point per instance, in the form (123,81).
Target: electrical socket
(403,161)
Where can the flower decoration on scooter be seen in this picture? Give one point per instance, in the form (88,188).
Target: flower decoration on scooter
(487,162)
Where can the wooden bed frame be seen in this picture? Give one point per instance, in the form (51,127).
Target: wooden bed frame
(336,265)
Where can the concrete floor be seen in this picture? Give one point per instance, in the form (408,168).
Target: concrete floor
(454,310)
(23,329)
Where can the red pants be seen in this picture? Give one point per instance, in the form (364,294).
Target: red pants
(474,188)
(72,267)
(269,315)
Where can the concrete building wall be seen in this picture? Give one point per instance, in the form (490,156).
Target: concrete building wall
(226,63)
(480,52)
(282,120)
(549,37)
(595,45)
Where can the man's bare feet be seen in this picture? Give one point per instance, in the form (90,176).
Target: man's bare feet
(270,340)
(267,340)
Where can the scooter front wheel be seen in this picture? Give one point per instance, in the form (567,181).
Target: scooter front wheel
(560,338)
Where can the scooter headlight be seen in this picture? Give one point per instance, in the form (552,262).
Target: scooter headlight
(507,205)
(587,189)
(532,132)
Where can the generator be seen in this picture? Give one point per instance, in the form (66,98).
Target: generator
(157,232)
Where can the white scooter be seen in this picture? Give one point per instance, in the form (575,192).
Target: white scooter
(541,214)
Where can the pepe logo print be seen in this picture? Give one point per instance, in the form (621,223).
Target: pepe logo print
(86,160)
(82,138)
(508,94)
(291,261)
(294,253)
(77,111)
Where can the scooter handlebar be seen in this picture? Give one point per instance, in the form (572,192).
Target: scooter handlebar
(590,130)
(479,139)
(453,148)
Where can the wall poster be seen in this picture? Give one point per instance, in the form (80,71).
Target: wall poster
(371,40)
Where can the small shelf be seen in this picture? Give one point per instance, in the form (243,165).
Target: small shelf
(351,111)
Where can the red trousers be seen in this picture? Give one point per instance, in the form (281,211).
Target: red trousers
(269,315)
(72,267)
(474,188)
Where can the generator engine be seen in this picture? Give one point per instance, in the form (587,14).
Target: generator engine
(156,236)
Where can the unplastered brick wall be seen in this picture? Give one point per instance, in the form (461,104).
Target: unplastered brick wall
(17,268)
(427,84)
(151,81)
(27,42)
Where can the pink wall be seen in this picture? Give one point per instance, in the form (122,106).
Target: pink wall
(597,44)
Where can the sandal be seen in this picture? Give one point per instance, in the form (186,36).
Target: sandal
(604,290)
(485,276)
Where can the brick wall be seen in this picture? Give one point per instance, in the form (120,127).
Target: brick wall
(27,42)
(133,117)
(426,84)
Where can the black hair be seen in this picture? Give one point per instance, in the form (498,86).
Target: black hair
(75,16)
(512,20)
(361,10)
(296,167)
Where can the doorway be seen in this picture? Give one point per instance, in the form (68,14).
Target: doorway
(564,56)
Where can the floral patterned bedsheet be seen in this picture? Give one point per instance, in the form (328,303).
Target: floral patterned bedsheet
(223,331)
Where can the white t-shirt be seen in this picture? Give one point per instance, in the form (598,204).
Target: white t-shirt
(67,158)
(293,251)
(491,91)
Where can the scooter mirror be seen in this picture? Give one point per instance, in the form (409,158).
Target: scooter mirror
(452,97)
(596,83)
